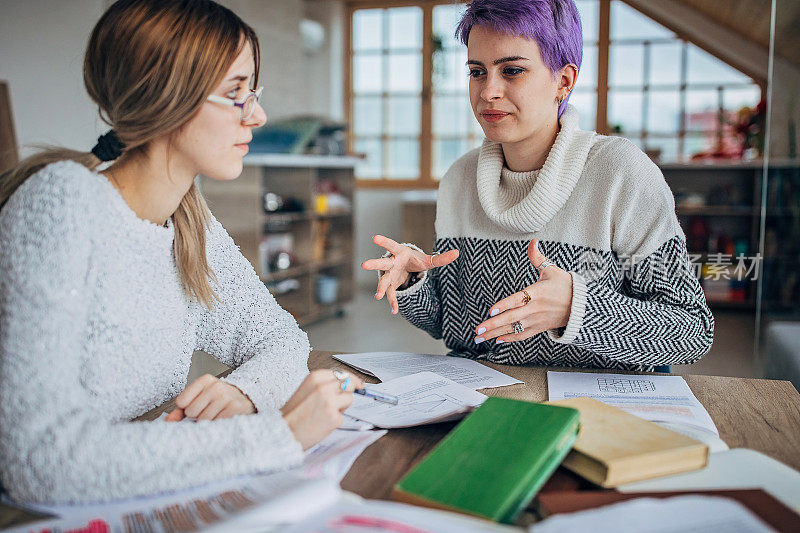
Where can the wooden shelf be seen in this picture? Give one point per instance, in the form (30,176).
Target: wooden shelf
(717,210)
(238,206)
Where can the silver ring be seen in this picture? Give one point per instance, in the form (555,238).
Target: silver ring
(432,256)
(340,375)
(546,264)
(517,327)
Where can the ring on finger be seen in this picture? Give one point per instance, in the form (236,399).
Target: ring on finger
(344,384)
(526,298)
(517,326)
(340,375)
(546,263)
(432,256)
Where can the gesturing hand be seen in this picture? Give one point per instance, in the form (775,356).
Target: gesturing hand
(403,261)
(548,308)
(208,398)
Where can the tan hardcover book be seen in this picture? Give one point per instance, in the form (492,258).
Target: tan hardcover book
(615,447)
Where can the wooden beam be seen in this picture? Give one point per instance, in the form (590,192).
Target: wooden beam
(603,43)
(723,43)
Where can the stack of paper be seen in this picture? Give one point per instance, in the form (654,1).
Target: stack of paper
(391,365)
(425,398)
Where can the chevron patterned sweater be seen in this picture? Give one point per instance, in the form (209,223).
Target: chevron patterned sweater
(601,211)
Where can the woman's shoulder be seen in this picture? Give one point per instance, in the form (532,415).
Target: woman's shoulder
(61,191)
(620,158)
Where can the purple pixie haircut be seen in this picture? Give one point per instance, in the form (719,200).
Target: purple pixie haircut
(554,24)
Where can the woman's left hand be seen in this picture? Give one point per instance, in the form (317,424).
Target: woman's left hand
(548,308)
(208,398)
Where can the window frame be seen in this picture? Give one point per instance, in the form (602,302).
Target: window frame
(426,179)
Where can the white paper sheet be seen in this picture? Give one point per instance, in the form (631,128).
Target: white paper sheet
(390,365)
(656,398)
(277,498)
(378,516)
(424,397)
(734,469)
(679,514)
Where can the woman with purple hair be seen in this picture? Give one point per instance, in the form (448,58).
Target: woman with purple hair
(554,246)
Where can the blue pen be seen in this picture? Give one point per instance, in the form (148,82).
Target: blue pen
(376,395)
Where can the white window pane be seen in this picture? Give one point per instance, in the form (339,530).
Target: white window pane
(367,73)
(405,73)
(736,99)
(627,23)
(405,27)
(445,20)
(367,29)
(701,110)
(404,116)
(367,116)
(664,111)
(705,68)
(662,150)
(695,143)
(450,71)
(586,104)
(625,111)
(589,12)
(665,64)
(445,152)
(371,167)
(452,115)
(587,77)
(626,62)
(403,159)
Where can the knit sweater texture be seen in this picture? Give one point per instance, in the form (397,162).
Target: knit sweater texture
(602,211)
(95,329)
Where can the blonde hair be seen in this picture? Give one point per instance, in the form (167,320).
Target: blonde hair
(149,66)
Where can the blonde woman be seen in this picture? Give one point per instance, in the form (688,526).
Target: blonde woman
(111,279)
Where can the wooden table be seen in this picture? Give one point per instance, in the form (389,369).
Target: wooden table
(760,414)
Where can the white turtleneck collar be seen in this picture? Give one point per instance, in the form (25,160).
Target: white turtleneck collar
(524,202)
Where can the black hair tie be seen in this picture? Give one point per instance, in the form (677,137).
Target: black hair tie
(108,146)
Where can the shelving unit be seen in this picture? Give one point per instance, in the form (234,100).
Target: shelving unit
(323,242)
(733,224)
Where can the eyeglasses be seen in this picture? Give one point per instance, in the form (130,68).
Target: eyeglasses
(246,106)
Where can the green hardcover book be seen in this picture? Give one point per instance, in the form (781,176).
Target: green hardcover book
(494,462)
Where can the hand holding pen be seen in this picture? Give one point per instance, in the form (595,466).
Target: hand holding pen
(344,380)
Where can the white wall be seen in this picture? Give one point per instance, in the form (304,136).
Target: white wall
(41,56)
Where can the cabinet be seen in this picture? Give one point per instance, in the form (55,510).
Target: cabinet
(719,207)
(292,218)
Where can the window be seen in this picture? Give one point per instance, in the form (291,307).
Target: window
(409,106)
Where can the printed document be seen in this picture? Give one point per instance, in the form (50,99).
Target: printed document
(651,515)
(656,398)
(425,398)
(260,500)
(390,365)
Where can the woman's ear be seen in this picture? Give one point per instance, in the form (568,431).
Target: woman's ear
(566,80)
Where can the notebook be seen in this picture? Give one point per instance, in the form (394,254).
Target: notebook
(614,447)
(494,462)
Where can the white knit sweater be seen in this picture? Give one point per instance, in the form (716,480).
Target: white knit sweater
(95,329)
(601,211)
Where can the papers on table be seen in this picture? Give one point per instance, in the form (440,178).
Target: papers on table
(257,502)
(650,515)
(390,365)
(733,469)
(656,398)
(424,397)
(376,516)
